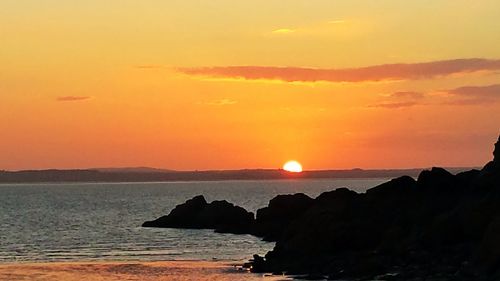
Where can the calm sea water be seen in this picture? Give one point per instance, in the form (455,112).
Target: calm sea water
(101,221)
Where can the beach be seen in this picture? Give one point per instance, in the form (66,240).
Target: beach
(144,271)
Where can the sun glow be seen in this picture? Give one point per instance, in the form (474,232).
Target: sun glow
(292,166)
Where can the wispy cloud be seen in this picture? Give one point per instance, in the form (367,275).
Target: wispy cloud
(311,29)
(337,21)
(399,100)
(490,91)
(148,66)
(407,94)
(462,96)
(72,98)
(394,105)
(385,72)
(220,102)
(474,95)
(283,31)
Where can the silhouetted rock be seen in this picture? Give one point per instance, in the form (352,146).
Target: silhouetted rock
(467,178)
(183,216)
(393,189)
(440,227)
(489,255)
(197,213)
(494,165)
(496,151)
(282,209)
(323,226)
(436,180)
(490,174)
(226,217)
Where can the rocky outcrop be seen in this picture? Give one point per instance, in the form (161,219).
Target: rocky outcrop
(281,211)
(489,251)
(197,213)
(225,217)
(183,216)
(440,226)
(496,151)
(493,168)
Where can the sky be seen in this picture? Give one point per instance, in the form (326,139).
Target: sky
(225,84)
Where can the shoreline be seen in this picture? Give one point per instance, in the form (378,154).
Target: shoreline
(186,261)
(130,270)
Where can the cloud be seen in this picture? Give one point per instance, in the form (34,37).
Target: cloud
(318,28)
(337,21)
(400,100)
(148,66)
(394,105)
(466,102)
(385,72)
(490,91)
(407,95)
(72,98)
(474,95)
(462,96)
(221,102)
(283,31)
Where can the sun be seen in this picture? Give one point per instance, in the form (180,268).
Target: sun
(292,166)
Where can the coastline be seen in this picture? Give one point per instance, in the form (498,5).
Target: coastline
(118,176)
(118,270)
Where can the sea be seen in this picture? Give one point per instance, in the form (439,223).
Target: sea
(88,222)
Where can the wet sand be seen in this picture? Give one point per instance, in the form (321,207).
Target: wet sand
(131,271)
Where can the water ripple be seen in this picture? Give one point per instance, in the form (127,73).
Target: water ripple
(87,222)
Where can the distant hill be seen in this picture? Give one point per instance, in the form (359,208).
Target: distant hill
(133,170)
(145,174)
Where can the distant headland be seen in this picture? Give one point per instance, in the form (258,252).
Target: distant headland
(146,174)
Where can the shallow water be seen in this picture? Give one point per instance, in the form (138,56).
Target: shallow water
(140,271)
(101,221)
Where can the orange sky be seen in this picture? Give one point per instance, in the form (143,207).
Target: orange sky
(248,84)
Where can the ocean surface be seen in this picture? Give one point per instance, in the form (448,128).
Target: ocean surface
(101,221)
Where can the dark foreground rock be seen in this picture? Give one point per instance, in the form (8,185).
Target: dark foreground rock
(271,221)
(438,227)
(224,217)
(198,214)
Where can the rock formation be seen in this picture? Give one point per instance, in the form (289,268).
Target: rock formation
(282,210)
(438,227)
(197,213)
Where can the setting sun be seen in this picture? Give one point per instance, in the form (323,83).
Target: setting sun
(292,166)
